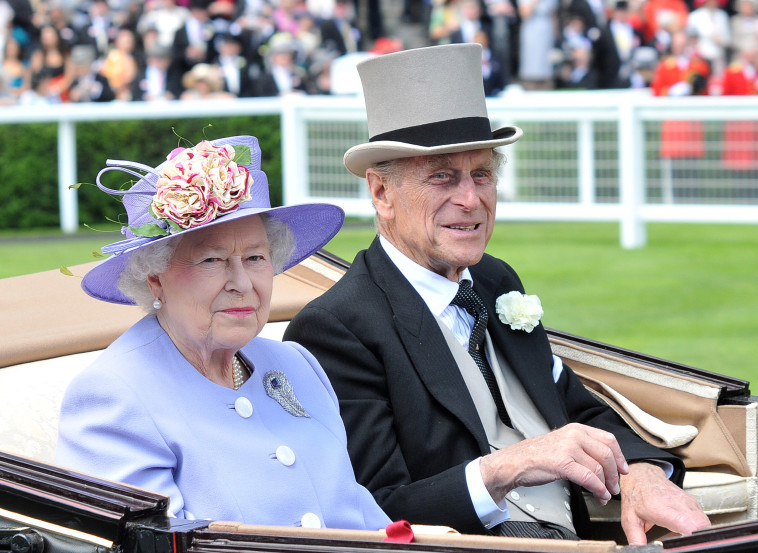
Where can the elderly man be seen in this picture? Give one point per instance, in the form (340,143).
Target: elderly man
(455,417)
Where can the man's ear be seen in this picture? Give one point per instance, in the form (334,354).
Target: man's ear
(381,194)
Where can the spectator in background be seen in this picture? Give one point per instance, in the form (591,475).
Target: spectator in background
(605,58)
(87,84)
(644,62)
(41,91)
(682,72)
(492,72)
(285,15)
(165,16)
(443,20)
(120,66)
(577,72)
(235,68)
(625,38)
(48,63)
(193,40)
(744,26)
(469,22)
(536,40)
(675,10)
(339,33)
(503,20)
(98,28)
(14,68)
(204,82)
(281,74)
(157,81)
(740,78)
(712,26)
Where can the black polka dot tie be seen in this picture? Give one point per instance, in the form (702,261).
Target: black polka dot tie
(471,302)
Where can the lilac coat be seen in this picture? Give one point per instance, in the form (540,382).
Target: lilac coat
(141,414)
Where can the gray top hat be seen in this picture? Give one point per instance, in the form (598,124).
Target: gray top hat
(425,101)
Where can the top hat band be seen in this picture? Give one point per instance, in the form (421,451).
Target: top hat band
(441,133)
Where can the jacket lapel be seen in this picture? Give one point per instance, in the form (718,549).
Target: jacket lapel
(423,341)
(527,353)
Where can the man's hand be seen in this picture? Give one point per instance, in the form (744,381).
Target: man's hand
(587,456)
(648,498)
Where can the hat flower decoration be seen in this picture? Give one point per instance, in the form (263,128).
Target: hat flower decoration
(520,311)
(198,184)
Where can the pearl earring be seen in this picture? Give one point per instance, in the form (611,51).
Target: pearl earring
(157,304)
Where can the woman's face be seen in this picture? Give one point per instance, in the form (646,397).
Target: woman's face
(49,37)
(216,292)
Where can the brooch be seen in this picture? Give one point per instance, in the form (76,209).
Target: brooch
(279,388)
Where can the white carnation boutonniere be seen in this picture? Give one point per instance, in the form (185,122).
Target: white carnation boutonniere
(520,311)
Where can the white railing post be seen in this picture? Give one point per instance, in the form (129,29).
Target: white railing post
(586,161)
(67,197)
(631,181)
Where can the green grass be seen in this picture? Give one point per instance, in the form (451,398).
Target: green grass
(690,296)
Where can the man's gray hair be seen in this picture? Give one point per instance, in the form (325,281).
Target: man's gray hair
(155,259)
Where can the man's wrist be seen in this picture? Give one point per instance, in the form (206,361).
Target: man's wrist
(488,511)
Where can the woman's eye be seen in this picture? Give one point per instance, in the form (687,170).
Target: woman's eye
(211,260)
(255,258)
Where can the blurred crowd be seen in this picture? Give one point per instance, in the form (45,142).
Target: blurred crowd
(674,47)
(105,50)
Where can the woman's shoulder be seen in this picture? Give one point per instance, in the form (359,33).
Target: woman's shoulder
(133,349)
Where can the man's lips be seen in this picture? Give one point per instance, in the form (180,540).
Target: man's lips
(474,226)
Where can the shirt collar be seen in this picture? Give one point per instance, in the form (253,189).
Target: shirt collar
(436,291)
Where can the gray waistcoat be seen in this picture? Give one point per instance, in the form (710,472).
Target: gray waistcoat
(549,502)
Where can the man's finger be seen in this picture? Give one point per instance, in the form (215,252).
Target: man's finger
(634,529)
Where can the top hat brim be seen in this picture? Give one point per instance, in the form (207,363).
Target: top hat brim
(359,158)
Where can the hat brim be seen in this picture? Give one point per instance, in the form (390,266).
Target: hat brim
(312,226)
(359,158)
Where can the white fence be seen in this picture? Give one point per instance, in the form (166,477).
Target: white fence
(601,156)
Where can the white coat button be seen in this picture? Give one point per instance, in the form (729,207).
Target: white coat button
(310,520)
(243,407)
(568,492)
(568,517)
(566,504)
(530,507)
(285,456)
(515,496)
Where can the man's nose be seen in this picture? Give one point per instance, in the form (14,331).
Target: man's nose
(466,193)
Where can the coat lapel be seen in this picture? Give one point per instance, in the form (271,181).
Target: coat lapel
(423,341)
(527,353)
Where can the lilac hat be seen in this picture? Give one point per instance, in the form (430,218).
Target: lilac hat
(174,198)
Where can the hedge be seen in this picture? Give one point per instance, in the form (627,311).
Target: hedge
(29,162)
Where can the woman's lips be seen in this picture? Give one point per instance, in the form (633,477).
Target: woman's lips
(239,311)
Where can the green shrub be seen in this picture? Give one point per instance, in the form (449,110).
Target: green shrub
(29,167)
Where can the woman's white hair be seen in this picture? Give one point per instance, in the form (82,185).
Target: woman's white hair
(155,259)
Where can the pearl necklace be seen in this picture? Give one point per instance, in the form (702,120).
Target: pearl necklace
(238,373)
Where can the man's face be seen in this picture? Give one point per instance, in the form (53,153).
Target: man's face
(441,211)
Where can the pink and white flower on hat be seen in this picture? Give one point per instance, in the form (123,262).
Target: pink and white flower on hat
(199,184)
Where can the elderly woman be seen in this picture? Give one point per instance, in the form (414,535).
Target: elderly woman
(189,402)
